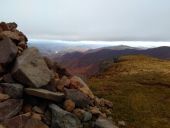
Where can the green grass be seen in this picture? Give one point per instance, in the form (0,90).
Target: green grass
(141,99)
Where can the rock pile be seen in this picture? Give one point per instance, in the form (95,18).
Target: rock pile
(36,92)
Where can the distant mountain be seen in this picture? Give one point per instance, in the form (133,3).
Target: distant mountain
(88,63)
(62,47)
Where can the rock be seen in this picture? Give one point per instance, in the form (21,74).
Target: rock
(82,114)
(37,110)
(79,98)
(33,123)
(63,119)
(12,26)
(31,70)
(4,97)
(16,122)
(95,111)
(8,78)
(63,82)
(4,26)
(122,123)
(104,123)
(105,103)
(8,51)
(10,108)
(42,93)
(12,35)
(69,105)
(2,70)
(27,108)
(36,116)
(78,83)
(13,90)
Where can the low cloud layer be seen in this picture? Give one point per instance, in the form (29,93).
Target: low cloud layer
(90,19)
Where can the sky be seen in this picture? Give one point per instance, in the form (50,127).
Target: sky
(94,20)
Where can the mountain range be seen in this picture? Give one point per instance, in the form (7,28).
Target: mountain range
(88,63)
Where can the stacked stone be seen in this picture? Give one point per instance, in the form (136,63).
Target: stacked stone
(36,92)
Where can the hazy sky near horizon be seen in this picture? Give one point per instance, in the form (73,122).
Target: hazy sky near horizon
(90,19)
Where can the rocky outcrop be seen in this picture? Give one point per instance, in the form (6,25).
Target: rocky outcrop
(30,69)
(36,92)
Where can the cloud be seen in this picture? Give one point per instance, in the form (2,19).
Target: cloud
(90,19)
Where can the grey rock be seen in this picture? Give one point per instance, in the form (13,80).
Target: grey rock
(104,123)
(10,108)
(87,116)
(30,69)
(8,51)
(80,99)
(42,93)
(13,90)
(63,119)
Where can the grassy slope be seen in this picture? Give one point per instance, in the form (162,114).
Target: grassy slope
(139,88)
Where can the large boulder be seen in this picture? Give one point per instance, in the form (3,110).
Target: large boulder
(63,119)
(79,98)
(13,90)
(10,108)
(42,93)
(8,50)
(30,69)
(78,83)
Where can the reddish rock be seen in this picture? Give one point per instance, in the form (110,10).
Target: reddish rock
(12,35)
(8,51)
(63,82)
(33,123)
(69,105)
(4,26)
(10,108)
(4,97)
(78,83)
(16,122)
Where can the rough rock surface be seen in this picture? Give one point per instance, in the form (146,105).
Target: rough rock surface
(10,108)
(42,93)
(63,119)
(8,50)
(30,69)
(80,99)
(13,90)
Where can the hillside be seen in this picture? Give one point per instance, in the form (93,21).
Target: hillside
(139,87)
(88,63)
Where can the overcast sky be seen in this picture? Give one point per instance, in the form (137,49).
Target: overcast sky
(90,19)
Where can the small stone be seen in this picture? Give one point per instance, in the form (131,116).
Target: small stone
(27,108)
(78,83)
(69,105)
(4,97)
(37,110)
(36,116)
(122,123)
(104,123)
(63,82)
(83,115)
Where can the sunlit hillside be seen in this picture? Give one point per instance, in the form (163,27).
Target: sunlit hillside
(139,87)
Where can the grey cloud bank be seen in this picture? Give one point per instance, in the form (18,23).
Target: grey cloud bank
(90,19)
